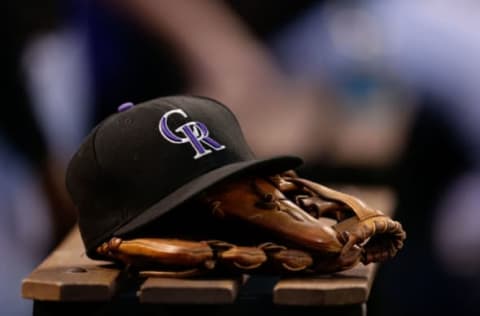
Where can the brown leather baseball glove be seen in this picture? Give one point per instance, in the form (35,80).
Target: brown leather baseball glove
(280,224)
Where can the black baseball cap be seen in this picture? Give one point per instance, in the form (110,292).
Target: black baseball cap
(148,159)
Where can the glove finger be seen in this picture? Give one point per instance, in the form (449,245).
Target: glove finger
(282,184)
(386,240)
(351,247)
(318,207)
(168,252)
(243,258)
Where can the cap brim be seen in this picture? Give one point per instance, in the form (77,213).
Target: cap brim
(199,184)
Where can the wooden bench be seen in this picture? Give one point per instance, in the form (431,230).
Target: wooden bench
(69,283)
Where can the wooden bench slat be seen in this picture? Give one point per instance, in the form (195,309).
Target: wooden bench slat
(187,291)
(345,288)
(68,275)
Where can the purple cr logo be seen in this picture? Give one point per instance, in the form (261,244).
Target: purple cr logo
(195,133)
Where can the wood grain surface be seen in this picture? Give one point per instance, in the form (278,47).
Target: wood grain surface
(68,275)
(179,291)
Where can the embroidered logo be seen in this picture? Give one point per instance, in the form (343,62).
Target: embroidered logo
(193,132)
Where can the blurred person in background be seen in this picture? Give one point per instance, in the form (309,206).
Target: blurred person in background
(273,63)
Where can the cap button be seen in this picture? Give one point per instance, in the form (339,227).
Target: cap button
(125,106)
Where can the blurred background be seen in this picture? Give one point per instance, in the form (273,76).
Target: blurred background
(367,92)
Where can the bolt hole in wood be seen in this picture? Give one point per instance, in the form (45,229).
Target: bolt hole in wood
(76,270)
